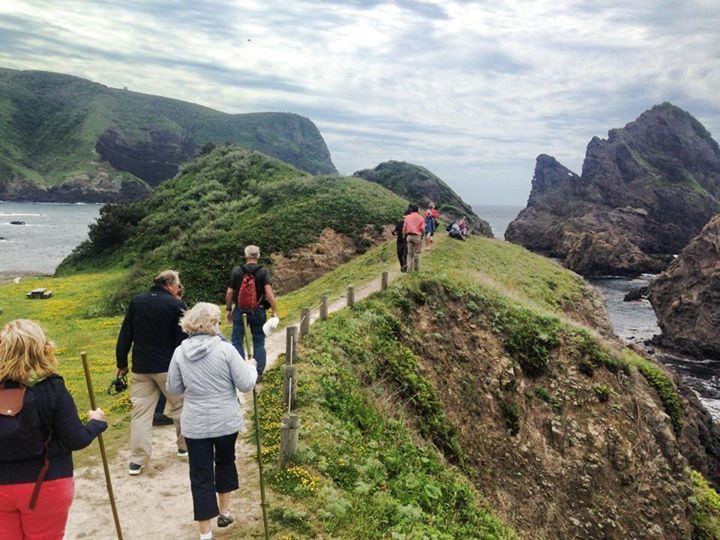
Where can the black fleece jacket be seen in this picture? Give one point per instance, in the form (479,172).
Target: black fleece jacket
(151,328)
(59,418)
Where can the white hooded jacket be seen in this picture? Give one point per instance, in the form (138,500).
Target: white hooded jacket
(207,370)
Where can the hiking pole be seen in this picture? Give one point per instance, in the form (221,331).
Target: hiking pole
(93,406)
(249,354)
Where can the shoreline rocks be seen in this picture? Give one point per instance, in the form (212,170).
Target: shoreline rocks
(686,297)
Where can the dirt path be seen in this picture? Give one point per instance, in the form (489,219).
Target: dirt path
(157,504)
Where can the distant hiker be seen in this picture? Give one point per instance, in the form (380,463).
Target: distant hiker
(207,370)
(401,243)
(413,228)
(151,329)
(250,292)
(431,223)
(39,426)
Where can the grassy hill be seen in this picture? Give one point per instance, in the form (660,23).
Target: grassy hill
(200,221)
(420,186)
(467,402)
(66,138)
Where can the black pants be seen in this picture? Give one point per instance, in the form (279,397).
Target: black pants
(204,482)
(402,255)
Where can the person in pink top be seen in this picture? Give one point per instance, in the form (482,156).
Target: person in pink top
(431,223)
(413,229)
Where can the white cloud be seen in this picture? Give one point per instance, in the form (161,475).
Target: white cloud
(471,90)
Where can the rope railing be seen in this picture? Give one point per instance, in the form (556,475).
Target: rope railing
(290,427)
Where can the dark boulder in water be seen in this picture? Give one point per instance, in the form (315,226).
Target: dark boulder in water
(639,293)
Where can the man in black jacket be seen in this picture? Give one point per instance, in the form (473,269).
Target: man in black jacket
(151,328)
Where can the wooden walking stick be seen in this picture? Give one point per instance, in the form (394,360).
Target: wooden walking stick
(249,354)
(93,406)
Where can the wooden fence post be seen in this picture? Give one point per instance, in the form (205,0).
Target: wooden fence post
(384,281)
(289,438)
(291,344)
(324,307)
(304,322)
(289,386)
(351,296)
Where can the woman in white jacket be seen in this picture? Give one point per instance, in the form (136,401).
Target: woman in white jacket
(208,370)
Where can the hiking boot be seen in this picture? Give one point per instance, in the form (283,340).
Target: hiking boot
(259,379)
(162,420)
(134,469)
(183,454)
(225,520)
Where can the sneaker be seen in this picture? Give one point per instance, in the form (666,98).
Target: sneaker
(134,469)
(182,453)
(225,520)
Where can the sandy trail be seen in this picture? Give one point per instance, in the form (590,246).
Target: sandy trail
(157,504)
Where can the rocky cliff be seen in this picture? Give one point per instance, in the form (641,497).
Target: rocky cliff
(418,185)
(686,297)
(644,192)
(67,139)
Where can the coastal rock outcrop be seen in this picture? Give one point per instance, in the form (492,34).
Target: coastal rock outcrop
(643,194)
(686,297)
(419,185)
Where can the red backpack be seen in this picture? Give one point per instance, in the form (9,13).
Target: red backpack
(247,295)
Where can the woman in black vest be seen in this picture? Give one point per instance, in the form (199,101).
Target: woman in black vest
(36,443)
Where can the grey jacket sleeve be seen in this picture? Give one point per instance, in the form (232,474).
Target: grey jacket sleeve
(174,383)
(244,374)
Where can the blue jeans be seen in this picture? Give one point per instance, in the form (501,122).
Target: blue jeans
(256,319)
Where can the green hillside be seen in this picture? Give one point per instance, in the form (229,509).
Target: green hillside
(466,402)
(420,186)
(66,138)
(200,221)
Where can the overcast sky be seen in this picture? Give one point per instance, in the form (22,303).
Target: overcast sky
(471,90)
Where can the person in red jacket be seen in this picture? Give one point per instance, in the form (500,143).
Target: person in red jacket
(413,228)
(45,431)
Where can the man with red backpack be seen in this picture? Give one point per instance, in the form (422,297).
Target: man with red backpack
(250,292)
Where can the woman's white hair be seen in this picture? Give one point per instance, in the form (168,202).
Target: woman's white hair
(202,318)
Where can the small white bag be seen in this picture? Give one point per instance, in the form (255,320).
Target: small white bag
(270,325)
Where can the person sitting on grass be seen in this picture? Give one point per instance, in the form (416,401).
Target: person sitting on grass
(39,429)
(207,370)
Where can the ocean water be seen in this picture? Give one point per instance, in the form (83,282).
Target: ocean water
(499,217)
(49,234)
(635,322)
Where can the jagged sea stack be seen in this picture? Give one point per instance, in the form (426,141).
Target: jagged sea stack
(644,193)
(686,297)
